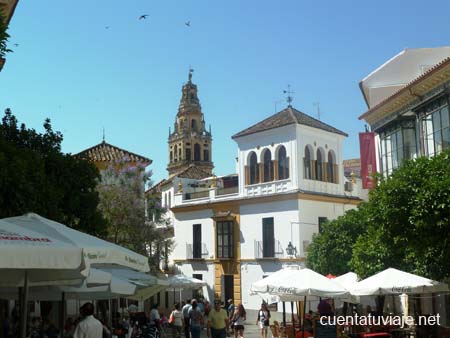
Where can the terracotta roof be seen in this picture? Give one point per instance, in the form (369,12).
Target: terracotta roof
(156,188)
(105,152)
(285,117)
(193,172)
(407,87)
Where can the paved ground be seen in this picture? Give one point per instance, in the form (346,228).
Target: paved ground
(251,331)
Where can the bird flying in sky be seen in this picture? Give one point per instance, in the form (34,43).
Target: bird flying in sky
(143,16)
(188,23)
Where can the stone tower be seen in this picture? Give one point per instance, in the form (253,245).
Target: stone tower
(190,143)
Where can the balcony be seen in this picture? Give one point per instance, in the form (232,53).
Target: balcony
(199,251)
(196,195)
(275,251)
(267,188)
(227,191)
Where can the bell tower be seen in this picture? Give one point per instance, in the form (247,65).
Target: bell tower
(190,143)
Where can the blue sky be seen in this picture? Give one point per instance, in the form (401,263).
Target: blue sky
(127,78)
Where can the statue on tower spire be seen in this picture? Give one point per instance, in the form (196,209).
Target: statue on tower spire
(190,74)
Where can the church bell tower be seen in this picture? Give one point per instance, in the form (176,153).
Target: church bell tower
(190,143)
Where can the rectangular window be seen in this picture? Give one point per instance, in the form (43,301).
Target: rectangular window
(397,143)
(321,221)
(196,241)
(197,293)
(435,127)
(225,239)
(268,237)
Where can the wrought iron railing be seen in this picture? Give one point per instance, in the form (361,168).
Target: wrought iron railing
(197,251)
(269,251)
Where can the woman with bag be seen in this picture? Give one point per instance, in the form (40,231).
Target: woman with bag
(176,321)
(263,319)
(237,320)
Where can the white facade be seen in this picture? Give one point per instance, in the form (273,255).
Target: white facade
(293,206)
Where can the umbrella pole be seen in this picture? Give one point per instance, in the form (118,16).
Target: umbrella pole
(284,314)
(23,309)
(62,314)
(292,314)
(174,299)
(304,315)
(110,310)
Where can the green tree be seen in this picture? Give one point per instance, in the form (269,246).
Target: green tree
(409,223)
(405,225)
(331,249)
(132,222)
(35,176)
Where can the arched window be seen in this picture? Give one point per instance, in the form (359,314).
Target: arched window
(283,164)
(175,151)
(171,156)
(197,152)
(331,171)
(193,125)
(169,199)
(205,155)
(319,166)
(268,166)
(254,169)
(307,163)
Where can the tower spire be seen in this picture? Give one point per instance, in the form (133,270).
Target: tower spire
(191,70)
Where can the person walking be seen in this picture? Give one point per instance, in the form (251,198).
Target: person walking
(185,311)
(218,323)
(176,320)
(195,320)
(263,319)
(237,321)
(89,326)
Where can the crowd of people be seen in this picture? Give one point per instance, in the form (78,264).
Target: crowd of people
(187,319)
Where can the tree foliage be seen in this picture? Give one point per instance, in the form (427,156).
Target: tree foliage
(4,36)
(132,221)
(35,176)
(331,249)
(405,225)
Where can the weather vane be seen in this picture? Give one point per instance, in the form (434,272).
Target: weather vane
(289,98)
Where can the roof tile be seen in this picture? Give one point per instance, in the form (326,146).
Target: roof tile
(285,117)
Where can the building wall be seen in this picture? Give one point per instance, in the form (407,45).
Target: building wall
(283,213)
(184,235)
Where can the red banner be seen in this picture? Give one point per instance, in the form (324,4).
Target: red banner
(368,158)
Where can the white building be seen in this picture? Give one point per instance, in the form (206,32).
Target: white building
(407,99)
(231,231)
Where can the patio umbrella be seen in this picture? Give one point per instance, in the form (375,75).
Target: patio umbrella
(293,284)
(182,282)
(394,282)
(29,257)
(97,251)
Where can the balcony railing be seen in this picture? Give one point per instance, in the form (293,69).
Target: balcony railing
(227,191)
(195,195)
(198,251)
(275,251)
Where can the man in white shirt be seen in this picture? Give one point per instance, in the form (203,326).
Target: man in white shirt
(185,311)
(89,326)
